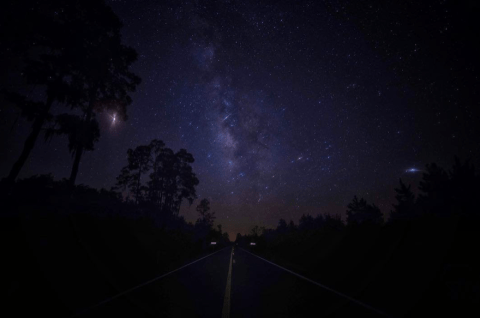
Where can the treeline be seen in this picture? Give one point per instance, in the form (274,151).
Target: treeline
(420,261)
(66,249)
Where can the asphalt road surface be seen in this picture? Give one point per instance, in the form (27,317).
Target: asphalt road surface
(230,283)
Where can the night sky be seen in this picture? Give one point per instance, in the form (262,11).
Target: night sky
(287,108)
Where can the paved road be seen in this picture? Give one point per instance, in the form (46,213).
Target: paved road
(196,290)
(260,289)
(254,288)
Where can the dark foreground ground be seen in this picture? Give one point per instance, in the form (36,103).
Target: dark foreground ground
(258,289)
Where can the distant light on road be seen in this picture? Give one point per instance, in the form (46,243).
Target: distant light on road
(213,243)
(253,243)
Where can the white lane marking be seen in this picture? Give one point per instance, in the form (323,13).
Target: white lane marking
(139,286)
(358,302)
(226,299)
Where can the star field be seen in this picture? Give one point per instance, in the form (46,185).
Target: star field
(288,108)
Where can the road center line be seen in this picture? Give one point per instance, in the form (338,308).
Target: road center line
(226,299)
(139,286)
(358,302)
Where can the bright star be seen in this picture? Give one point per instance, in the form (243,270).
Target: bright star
(412,170)
(113,118)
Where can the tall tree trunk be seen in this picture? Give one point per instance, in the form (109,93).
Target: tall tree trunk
(30,141)
(137,194)
(160,194)
(80,148)
(178,207)
(152,188)
(76,165)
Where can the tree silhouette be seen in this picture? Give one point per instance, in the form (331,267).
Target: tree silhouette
(226,237)
(101,67)
(306,223)
(464,189)
(333,222)
(255,231)
(451,193)
(45,65)
(359,211)
(204,223)
(206,217)
(186,179)
(171,176)
(79,132)
(282,226)
(125,180)
(405,209)
(292,227)
(172,179)
(74,52)
(139,162)
(434,186)
(155,185)
(162,184)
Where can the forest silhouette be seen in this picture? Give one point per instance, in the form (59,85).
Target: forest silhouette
(53,228)
(61,236)
(420,262)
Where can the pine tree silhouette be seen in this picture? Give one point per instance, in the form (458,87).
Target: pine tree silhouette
(405,208)
(359,211)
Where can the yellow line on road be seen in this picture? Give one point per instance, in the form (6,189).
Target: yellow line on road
(226,299)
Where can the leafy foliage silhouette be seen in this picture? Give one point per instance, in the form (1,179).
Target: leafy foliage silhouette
(206,217)
(171,176)
(73,51)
